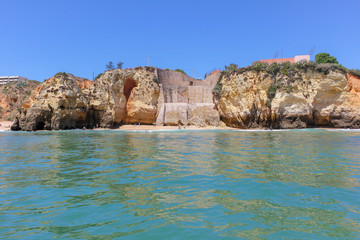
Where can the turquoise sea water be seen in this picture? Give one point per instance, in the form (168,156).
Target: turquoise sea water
(298,184)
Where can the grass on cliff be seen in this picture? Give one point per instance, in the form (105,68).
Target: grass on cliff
(61,74)
(287,68)
(217,89)
(179,70)
(99,76)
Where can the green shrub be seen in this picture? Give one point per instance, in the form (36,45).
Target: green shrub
(271,92)
(304,66)
(218,88)
(268,103)
(179,70)
(61,74)
(224,74)
(325,58)
(259,66)
(98,76)
(155,80)
(231,68)
(284,72)
(355,72)
(288,88)
(274,68)
(150,69)
(21,85)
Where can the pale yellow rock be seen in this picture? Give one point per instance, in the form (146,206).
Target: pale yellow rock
(313,99)
(125,96)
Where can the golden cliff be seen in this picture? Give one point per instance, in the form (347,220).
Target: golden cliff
(12,96)
(124,96)
(67,102)
(259,96)
(290,96)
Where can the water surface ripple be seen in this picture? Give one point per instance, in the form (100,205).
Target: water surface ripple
(299,184)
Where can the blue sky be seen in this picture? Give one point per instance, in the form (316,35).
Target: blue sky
(40,38)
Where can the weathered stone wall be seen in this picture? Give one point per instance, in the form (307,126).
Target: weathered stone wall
(212,79)
(175,114)
(197,114)
(175,94)
(185,100)
(200,94)
(170,77)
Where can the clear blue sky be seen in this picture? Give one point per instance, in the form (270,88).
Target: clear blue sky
(41,38)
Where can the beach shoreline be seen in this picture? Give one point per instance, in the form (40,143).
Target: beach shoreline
(129,127)
(6,125)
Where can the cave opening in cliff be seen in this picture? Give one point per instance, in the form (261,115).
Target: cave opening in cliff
(40,125)
(128,87)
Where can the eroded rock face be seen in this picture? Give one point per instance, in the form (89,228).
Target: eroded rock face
(248,99)
(12,96)
(309,99)
(58,103)
(66,102)
(124,96)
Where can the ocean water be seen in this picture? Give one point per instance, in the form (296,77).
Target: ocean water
(298,184)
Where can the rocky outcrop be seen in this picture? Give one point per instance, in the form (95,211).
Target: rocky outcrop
(67,102)
(58,103)
(12,96)
(306,98)
(124,96)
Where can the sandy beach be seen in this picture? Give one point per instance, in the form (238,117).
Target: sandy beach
(129,127)
(5,125)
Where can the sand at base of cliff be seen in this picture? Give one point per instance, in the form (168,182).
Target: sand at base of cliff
(154,127)
(5,126)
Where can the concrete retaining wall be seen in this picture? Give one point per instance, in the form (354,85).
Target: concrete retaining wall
(184,100)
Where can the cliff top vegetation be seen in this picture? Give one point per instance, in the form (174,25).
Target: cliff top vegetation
(288,69)
(325,58)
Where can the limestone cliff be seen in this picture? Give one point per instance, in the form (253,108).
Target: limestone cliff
(124,96)
(67,102)
(290,96)
(58,103)
(12,96)
(259,96)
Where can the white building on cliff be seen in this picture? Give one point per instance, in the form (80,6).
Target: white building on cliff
(7,79)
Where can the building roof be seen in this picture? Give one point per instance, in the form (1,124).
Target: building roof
(297,58)
(278,60)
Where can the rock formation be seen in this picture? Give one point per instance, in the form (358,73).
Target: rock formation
(12,96)
(318,96)
(124,96)
(260,96)
(67,102)
(58,103)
